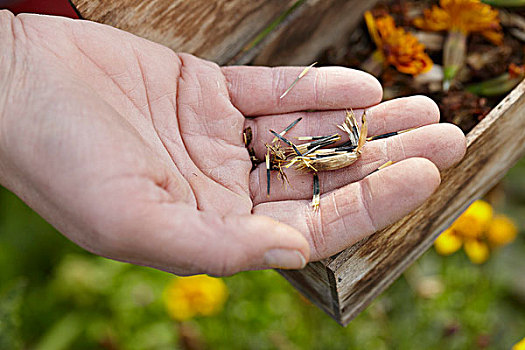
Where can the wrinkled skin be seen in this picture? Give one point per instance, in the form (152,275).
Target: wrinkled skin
(136,153)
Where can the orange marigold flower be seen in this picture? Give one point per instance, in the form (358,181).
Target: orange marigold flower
(396,46)
(466,16)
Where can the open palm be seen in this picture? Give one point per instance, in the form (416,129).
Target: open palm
(136,153)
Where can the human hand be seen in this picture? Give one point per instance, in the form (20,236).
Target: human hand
(136,153)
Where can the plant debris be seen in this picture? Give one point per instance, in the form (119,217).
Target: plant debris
(471,90)
(319,153)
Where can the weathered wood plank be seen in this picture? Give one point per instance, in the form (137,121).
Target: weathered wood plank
(366,269)
(316,282)
(213,29)
(315,26)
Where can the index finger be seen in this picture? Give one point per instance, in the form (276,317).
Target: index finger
(257,90)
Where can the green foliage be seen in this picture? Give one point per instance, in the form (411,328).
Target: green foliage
(505,3)
(74,300)
(10,302)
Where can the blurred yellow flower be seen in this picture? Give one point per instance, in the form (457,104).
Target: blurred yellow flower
(475,220)
(201,295)
(397,47)
(478,231)
(501,231)
(466,16)
(477,251)
(448,242)
(520,345)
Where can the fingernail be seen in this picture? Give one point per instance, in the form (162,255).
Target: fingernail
(284,259)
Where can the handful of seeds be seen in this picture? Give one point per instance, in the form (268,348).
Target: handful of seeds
(316,154)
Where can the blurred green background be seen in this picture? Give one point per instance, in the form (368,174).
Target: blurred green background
(53,295)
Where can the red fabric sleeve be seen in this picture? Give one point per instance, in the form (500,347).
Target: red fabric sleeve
(48,7)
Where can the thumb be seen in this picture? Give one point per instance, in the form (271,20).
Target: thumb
(185,241)
(255,242)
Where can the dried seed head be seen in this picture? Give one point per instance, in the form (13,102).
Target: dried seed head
(282,133)
(325,159)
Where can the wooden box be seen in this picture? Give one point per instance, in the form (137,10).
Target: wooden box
(285,32)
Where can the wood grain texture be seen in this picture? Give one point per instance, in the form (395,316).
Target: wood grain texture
(315,26)
(364,270)
(213,29)
(317,283)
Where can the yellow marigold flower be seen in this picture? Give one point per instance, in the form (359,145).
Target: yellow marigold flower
(477,251)
(520,345)
(448,242)
(466,16)
(187,297)
(397,47)
(501,231)
(478,231)
(474,221)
